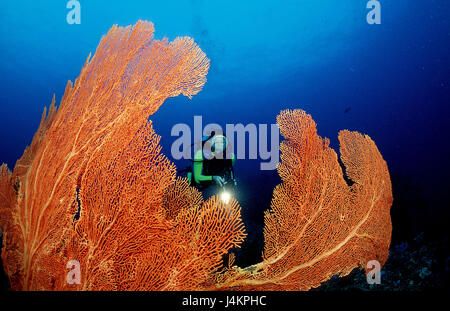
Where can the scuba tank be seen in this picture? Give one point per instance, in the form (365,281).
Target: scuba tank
(213,167)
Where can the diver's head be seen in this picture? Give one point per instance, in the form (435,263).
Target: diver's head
(219,144)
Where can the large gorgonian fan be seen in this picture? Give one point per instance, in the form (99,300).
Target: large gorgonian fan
(94,187)
(320,226)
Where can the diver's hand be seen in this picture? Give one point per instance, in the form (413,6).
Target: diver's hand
(219,180)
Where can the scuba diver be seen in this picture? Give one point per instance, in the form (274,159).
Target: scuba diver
(211,164)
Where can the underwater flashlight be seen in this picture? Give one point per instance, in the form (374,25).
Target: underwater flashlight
(225,196)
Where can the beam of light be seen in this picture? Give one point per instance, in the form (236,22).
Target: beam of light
(225,196)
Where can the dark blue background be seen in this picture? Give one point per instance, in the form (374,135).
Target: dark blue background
(318,55)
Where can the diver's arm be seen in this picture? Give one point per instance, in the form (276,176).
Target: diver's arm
(198,168)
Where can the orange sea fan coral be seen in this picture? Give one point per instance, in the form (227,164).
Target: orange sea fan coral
(90,187)
(318,225)
(94,187)
(179,196)
(194,249)
(7,199)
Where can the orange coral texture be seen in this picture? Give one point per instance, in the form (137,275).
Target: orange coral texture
(93,186)
(97,155)
(318,225)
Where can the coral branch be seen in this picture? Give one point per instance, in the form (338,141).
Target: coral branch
(92,186)
(179,196)
(318,225)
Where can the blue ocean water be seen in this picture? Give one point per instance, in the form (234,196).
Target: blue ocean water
(390,81)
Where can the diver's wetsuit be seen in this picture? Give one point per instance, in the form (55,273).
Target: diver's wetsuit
(205,169)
